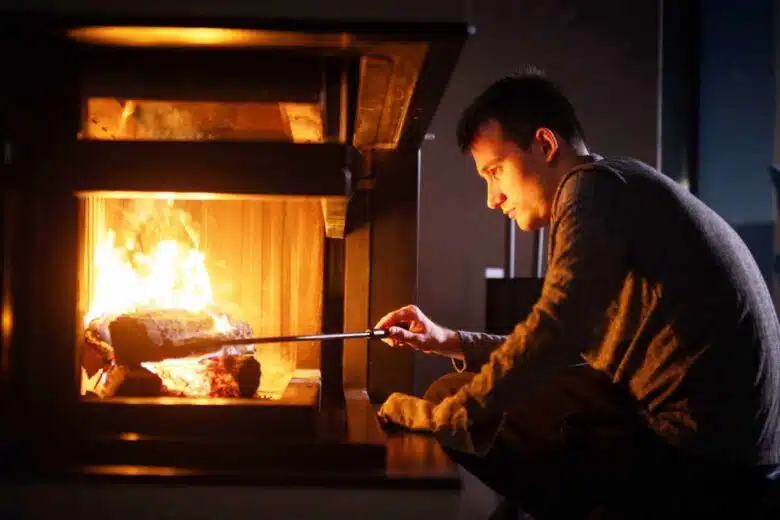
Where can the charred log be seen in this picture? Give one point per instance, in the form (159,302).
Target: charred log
(246,371)
(98,354)
(155,335)
(233,376)
(121,381)
(139,354)
(219,376)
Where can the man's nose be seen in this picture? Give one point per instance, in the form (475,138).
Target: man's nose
(494,197)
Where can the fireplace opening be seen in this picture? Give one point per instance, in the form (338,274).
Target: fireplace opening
(159,271)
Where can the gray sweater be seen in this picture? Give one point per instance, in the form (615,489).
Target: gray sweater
(653,288)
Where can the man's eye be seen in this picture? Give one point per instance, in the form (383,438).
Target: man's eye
(495,171)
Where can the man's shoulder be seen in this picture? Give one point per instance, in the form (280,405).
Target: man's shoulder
(596,179)
(622,166)
(624,177)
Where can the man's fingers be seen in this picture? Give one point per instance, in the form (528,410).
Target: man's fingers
(399,336)
(396,317)
(402,335)
(395,323)
(385,320)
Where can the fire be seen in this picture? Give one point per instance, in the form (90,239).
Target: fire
(169,273)
(170,276)
(152,262)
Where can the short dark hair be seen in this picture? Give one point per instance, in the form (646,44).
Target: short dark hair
(521,103)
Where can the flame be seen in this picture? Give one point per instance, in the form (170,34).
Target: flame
(171,274)
(169,277)
(152,262)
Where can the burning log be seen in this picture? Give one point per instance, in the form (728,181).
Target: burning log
(133,338)
(98,354)
(219,376)
(120,381)
(143,355)
(246,372)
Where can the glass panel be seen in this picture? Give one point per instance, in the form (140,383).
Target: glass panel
(386,88)
(155,120)
(160,273)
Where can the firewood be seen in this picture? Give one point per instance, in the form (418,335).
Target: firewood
(154,335)
(121,381)
(217,376)
(119,345)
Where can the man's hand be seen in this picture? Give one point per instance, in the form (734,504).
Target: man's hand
(408,412)
(408,326)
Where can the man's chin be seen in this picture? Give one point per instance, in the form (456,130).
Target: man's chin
(527,224)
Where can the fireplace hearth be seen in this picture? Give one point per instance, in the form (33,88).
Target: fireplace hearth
(172,179)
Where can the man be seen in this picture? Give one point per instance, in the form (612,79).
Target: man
(650,288)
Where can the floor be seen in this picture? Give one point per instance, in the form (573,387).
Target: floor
(168,502)
(477,501)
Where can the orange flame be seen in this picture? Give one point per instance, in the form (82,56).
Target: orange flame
(170,277)
(171,274)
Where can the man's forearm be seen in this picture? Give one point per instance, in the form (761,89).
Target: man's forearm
(476,347)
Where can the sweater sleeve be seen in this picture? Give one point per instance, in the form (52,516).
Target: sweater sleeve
(587,266)
(477,347)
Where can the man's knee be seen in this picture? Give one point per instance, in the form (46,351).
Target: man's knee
(447,385)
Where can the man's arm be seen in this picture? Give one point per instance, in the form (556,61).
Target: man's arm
(477,347)
(587,267)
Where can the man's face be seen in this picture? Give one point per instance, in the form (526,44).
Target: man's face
(515,178)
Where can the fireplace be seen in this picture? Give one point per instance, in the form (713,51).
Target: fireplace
(172,268)
(174,180)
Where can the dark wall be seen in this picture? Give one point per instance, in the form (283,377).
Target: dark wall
(737,118)
(776,158)
(605,55)
(776,47)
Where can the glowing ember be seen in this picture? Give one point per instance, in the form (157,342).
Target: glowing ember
(187,376)
(213,376)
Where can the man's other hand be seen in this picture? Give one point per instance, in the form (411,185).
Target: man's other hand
(407,412)
(409,326)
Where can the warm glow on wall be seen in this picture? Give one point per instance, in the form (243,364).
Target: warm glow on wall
(167,36)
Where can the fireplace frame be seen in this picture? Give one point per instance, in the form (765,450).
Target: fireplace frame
(370,261)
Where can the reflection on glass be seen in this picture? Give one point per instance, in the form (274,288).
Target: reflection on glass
(157,120)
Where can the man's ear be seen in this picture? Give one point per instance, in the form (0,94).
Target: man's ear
(548,142)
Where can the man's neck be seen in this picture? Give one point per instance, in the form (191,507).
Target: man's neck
(576,155)
(581,153)
(573,156)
